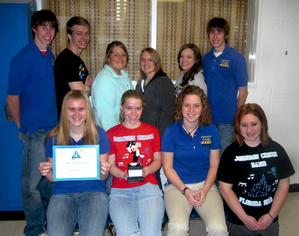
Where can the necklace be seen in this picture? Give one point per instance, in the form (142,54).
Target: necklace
(190,132)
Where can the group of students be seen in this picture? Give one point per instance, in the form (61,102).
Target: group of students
(208,106)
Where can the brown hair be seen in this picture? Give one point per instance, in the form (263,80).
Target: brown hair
(256,110)
(110,47)
(130,94)
(43,17)
(220,24)
(205,117)
(62,130)
(189,75)
(76,20)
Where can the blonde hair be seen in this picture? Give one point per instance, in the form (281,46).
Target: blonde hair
(155,58)
(62,130)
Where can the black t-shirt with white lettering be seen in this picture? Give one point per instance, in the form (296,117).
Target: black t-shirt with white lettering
(254,174)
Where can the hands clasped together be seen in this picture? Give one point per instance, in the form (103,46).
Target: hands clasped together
(196,197)
(262,223)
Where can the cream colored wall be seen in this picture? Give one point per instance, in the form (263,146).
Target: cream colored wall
(276,86)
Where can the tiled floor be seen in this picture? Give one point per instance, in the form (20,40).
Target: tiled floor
(289,221)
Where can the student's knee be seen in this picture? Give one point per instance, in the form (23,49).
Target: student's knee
(177,229)
(217,230)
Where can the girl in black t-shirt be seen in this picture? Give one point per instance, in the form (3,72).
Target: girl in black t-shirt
(253,176)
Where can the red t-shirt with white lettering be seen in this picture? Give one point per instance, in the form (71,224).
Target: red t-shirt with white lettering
(141,142)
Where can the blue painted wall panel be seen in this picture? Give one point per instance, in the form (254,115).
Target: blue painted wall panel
(14,34)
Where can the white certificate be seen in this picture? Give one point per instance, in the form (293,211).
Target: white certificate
(80,162)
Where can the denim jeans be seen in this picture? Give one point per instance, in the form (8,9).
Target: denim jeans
(226,133)
(89,209)
(36,190)
(137,211)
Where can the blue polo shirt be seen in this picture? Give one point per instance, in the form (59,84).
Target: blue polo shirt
(31,78)
(191,155)
(84,185)
(224,75)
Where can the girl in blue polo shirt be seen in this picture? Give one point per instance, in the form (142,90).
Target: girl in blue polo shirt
(84,202)
(190,157)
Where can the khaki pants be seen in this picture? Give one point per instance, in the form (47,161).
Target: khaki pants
(178,210)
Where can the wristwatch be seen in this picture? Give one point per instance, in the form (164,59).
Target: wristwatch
(184,190)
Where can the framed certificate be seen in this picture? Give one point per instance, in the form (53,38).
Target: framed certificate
(80,162)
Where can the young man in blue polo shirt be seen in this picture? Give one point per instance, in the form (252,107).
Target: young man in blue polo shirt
(32,103)
(225,73)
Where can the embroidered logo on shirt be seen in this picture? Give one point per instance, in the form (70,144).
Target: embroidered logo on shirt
(205,140)
(224,63)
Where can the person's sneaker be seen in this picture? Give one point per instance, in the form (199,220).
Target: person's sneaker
(43,234)
(76,233)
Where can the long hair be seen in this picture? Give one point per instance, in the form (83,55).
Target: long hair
(154,56)
(256,110)
(205,117)
(62,130)
(189,75)
(129,94)
(109,50)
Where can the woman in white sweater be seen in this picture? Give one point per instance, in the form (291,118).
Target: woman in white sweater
(190,63)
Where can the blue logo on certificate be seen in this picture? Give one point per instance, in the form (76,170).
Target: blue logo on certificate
(76,155)
(72,163)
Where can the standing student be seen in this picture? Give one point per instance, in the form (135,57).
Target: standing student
(110,83)
(85,201)
(254,176)
(226,77)
(157,89)
(32,103)
(190,157)
(190,64)
(135,206)
(70,70)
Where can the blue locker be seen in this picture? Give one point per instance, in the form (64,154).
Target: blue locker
(15,33)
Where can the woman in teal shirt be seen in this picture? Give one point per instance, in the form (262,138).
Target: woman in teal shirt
(110,83)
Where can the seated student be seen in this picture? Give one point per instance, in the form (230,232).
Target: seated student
(254,176)
(85,202)
(136,204)
(190,157)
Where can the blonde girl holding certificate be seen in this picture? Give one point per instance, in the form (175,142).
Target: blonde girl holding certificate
(83,202)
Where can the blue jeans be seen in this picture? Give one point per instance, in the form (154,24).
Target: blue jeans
(36,190)
(137,211)
(226,133)
(89,209)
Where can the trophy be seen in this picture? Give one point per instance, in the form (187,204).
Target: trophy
(135,173)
